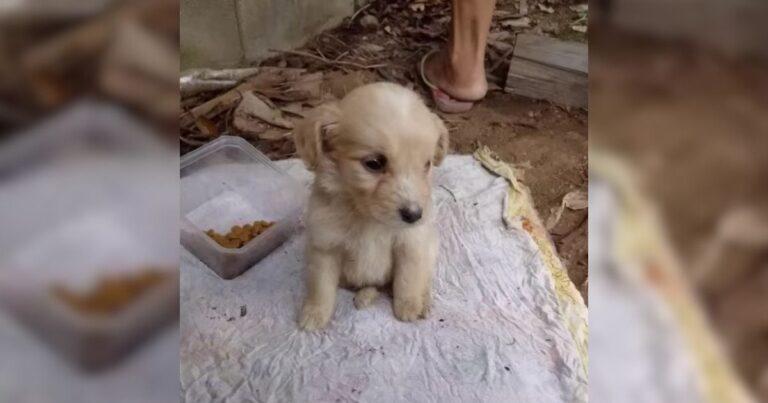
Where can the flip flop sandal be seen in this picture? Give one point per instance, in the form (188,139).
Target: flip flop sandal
(443,101)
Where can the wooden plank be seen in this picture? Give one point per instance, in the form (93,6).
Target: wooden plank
(552,52)
(550,69)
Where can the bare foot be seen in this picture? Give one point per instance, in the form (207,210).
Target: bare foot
(456,78)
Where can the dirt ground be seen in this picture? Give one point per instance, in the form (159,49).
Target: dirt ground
(546,142)
(694,124)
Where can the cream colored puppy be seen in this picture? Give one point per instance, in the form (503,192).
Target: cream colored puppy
(369,220)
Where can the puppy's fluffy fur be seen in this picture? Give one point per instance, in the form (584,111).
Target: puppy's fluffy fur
(369,220)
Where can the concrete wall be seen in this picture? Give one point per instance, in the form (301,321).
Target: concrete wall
(229,33)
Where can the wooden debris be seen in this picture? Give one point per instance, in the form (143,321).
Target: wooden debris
(551,69)
(194,82)
(523,22)
(329,61)
(191,86)
(265,81)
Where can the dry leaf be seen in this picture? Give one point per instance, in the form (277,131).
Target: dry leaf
(500,36)
(503,14)
(302,88)
(548,10)
(524,22)
(206,126)
(248,124)
(579,28)
(274,134)
(371,47)
(580,8)
(264,82)
(500,45)
(575,200)
(744,226)
(295,108)
(308,85)
(369,22)
(417,6)
(251,106)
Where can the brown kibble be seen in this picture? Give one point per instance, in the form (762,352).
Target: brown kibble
(238,235)
(111,294)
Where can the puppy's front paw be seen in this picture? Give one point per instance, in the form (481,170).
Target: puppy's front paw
(409,309)
(314,317)
(365,297)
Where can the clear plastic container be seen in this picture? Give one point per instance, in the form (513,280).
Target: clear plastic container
(95,197)
(228,182)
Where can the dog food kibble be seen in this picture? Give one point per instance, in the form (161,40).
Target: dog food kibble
(111,294)
(238,236)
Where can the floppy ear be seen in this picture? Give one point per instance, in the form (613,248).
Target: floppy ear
(442,142)
(311,134)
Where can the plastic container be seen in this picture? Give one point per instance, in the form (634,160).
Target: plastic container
(228,182)
(95,196)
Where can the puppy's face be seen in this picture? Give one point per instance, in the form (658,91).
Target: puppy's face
(378,147)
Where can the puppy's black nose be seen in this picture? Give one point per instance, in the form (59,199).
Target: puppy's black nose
(410,214)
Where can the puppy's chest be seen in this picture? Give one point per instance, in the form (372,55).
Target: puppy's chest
(368,258)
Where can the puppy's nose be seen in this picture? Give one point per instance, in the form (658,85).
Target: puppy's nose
(410,214)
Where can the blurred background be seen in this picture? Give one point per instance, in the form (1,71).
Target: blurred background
(679,95)
(89,188)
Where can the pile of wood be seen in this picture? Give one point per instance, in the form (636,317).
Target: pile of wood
(127,53)
(259,104)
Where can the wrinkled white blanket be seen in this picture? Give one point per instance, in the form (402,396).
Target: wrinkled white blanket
(494,333)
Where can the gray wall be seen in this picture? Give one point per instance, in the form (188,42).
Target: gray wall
(229,33)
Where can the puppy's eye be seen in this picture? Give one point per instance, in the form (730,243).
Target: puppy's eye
(428,165)
(375,163)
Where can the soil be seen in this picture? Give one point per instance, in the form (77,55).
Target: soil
(548,143)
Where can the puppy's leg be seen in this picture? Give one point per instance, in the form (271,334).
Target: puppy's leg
(323,272)
(365,297)
(412,283)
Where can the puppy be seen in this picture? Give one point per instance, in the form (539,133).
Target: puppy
(370,218)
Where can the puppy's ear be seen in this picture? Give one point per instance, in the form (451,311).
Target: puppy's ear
(442,143)
(311,135)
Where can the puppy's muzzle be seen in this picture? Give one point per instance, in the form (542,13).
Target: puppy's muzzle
(410,213)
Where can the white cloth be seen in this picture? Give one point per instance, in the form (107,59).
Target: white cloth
(494,333)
